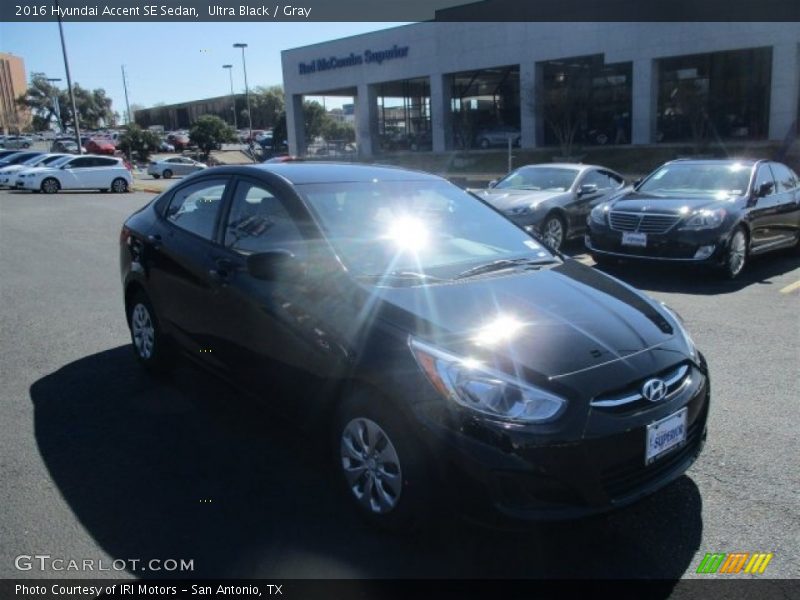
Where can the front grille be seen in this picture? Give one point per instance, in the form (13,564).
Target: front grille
(631,397)
(641,222)
(622,480)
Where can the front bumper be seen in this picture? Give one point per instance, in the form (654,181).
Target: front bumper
(603,470)
(27,183)
(704,246)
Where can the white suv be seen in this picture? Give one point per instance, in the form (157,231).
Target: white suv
(88,172)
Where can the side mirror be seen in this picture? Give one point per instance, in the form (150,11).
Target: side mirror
(765,189)
(587,188)
(492,183)
(273,265)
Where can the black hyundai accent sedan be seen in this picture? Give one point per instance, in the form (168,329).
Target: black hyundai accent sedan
(447,355)
(712,212)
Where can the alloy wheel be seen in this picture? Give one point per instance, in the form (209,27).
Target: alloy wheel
(119,186)
(371,466)
(553,232)
(737,253)
(50,186)
(144,332)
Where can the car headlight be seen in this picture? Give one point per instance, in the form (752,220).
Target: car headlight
(598,214)
(682,330)
(521,210)
(485,390)
(705,219)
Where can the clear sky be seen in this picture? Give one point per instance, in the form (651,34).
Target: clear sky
(166,62)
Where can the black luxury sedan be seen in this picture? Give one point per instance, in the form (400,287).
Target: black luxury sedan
(449,358)
(714,212)
(553,200)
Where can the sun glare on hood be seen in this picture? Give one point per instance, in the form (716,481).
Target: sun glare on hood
(501,329)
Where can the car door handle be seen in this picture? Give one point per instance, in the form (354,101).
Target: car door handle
(223,270)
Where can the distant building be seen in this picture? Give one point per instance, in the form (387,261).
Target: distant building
(183,114)
(13,84)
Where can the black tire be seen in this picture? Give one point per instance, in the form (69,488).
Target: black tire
(167,174)
(50,185)
(415,502)
(159,357)
(551,224)
(119,186)
(737,252)
(156,176)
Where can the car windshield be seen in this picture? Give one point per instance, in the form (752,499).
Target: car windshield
(426,229)
(59,161)
(729,179)
(556,179)
(35,160)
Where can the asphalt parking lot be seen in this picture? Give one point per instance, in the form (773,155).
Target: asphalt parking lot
(99,461)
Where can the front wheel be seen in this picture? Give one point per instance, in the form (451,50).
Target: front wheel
(167,173)
(736,254)
(381,464)
(119,186)
(553,232)
(50,186)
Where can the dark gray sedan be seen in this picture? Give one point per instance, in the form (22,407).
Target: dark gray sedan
(553,200)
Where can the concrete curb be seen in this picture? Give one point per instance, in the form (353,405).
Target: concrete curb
(146,189)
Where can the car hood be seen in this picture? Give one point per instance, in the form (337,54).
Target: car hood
(37,170)
(11,168)
(553,322)
(508,199)
(678,205)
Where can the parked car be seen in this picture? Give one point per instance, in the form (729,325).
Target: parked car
(6,153)
(553,200)
(16,158)
(99,146)
(497,136)
(711,212)
(66,145)
(445,354)
(8,173)
(165,146)
(177,165)
(17,142)
(179,141)
(78,173)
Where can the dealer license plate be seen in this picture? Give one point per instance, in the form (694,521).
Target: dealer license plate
(632,238)
(665,435)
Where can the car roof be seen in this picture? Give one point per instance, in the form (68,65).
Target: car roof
(299,173)
(567,165)
(715,161)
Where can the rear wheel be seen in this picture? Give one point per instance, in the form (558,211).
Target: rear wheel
(736,254)
(119,186)
(381,464)
(150,346)
(156,176)
(50,185)
(167,173)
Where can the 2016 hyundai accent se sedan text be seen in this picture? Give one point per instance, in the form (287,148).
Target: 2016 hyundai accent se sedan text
(451,359)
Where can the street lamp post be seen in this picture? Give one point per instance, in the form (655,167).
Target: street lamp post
(57,104)
(69,82)
(233,97)
(247,96)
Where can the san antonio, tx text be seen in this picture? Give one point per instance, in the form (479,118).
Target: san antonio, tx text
(132,589)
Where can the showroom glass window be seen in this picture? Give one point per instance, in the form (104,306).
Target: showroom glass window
(195,208)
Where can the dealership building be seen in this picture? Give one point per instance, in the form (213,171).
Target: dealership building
(446,85)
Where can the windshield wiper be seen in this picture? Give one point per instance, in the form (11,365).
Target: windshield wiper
(499,265)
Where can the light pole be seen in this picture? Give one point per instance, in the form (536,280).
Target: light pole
(247,96)
(69,82)
(233,97)
(127,104)
(57,104)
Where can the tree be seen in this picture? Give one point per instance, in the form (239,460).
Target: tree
(314,118)
(209,132)
(138,141)
(563,102)
(333,130)
(267,105)
(94,107)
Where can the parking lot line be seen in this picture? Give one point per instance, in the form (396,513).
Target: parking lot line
(791,287)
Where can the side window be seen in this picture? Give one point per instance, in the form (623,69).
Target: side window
(784,178)
(614,181)
(764,175)
(258,222)
(173,160)
(597,178)
(195,207)
(81,163)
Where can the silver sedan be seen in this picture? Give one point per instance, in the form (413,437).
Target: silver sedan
(177,165)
